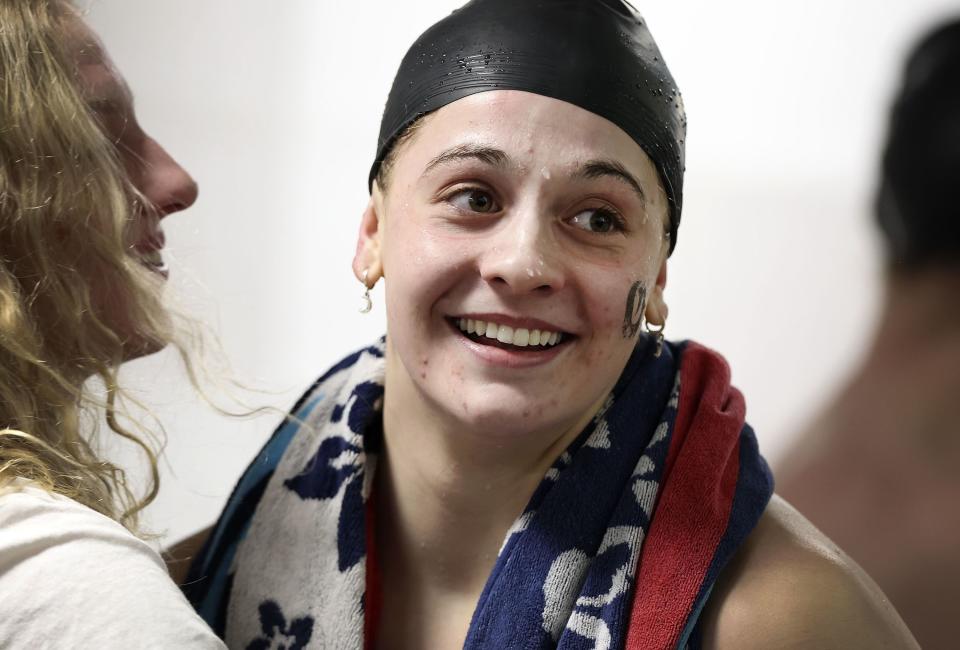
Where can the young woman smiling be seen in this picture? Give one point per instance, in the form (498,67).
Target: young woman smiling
(516,465)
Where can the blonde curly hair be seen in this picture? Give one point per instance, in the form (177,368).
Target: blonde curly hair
(67,213)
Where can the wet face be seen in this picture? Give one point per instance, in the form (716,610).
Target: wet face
(522,239)
(164,184)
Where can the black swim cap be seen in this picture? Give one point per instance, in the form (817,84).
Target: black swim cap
(917,206)
(596,54)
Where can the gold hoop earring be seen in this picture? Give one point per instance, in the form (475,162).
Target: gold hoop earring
(367,302)
(658,335)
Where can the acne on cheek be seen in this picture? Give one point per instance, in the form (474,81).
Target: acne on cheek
(538,411)
(612,320)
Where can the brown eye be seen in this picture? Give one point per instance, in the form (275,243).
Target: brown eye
(597,221)
(473,200)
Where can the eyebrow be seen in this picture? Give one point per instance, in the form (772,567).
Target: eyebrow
(612,169)
(105,105)
(110,97)
(596,168)
(484,154)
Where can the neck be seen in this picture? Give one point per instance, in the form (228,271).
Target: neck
(921,317)
(447,492)
(911,372)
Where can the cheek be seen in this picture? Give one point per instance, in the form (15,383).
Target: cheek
(614,307)
(607,299)
(422,270)
(425,258)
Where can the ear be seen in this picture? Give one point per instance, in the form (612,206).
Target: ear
(368,256)
(657,310)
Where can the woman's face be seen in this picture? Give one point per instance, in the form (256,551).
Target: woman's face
(531,217)
(160,179)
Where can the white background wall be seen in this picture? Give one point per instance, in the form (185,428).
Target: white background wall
(274,106)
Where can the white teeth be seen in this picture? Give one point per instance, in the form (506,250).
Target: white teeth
(519,337)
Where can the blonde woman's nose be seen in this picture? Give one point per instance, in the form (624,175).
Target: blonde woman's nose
(163,181)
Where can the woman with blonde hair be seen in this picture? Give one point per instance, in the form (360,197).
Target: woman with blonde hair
(83,191)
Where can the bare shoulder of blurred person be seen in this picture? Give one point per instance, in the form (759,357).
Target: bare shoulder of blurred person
(82,192)
(879,469)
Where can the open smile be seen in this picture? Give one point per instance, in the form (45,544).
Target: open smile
(149,251)
(510,344)
(154,261)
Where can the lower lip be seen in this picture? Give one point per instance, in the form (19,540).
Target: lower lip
(499,357)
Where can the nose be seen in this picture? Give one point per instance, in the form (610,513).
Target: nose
(161,179)
(524,256)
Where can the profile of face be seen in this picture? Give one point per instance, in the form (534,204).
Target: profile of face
(521,239)
(162,182)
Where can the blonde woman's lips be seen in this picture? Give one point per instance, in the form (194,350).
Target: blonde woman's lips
(153,260)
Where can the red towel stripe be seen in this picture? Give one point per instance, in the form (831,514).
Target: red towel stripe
(689,521)
(374,594)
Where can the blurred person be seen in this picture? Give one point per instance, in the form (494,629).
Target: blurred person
(83,191)
(518,463)
(879,469)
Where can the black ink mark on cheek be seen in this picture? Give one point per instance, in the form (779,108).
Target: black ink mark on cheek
(633,314)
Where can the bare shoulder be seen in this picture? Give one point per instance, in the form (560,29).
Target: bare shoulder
(791,587)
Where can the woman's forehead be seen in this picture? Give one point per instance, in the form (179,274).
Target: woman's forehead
(83,44)
(530,129)
(98,78)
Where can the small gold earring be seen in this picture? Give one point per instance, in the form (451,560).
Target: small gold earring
(658,334)
(367,302)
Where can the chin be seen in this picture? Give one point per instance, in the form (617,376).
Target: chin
(500,412)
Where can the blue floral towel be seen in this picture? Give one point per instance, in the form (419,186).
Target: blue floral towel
(285,566)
